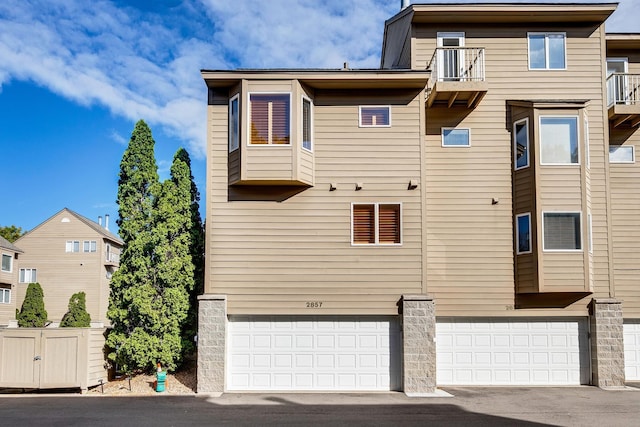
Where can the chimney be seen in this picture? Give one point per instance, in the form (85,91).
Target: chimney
(106,222)
(100,220)
(404,4)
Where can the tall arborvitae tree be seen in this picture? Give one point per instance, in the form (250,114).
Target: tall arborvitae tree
(133,301)
(171,258)
(32,314)
(77,316)
(197,255)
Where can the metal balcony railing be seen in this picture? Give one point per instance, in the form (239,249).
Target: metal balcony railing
(457,64)
(623,89)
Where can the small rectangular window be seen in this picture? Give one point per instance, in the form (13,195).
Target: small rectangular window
(234,123)
(269,118)
(27,275)
(587,152)
(559,140)
(375,116)
(547,51)
(521,143)
(7,263)
(562,231)
(89,246)
(523,233)
(306,124)
(5,294)
(72,246)
(376,223)
(456,137)
(622,154)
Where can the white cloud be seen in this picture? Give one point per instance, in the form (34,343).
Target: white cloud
(119,139)
(145,64)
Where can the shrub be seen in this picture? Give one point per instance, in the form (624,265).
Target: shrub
(32,314)
(77,316)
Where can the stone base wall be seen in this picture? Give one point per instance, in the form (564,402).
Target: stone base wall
(607,343)
(212,325)
(419,346)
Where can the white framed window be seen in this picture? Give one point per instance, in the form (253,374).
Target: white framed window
(27,275)
(5,294)
(587,153)
(72,246)
(451,60)
(376,224)
(270,118)
(562,231)
(374,116)
(559,140)
(523,233)
(521,144)
(234,123)
(307,124)
(547,51)
(456,137)
(89,246)
(7,263)
(622,154)
(590,225)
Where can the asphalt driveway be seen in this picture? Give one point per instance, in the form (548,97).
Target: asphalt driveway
(469,406)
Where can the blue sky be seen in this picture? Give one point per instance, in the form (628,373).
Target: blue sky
(76,75)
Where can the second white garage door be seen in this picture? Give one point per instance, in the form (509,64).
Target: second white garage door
(632,350)
(307,353)
(512,352)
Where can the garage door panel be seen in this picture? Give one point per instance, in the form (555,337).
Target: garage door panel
(512,352)
(631,331)
(313,353)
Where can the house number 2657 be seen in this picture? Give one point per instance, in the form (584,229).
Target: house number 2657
(314,304)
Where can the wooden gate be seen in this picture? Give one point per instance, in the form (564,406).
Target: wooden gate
(51,357)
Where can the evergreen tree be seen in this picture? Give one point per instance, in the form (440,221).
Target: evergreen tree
(77,315)
(32,313)
(197,255)
(133,300)
(11,232)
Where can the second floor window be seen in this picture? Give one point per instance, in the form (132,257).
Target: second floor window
(547,51)
(5,294)
(521,143)
(306,124)
(234,124)
(559,140)
(269,118)
(375,116)
(376,224)
(72,246)
(562,231)
(28,275)
(7,261)
(89,246)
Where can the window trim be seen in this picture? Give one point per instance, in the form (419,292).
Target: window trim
(236,146)
(4,290)
(269,145)
(515,144)
(307,99)
(443,129)
(377,224)
(618,147)
(590,231)
(23,272)
(95,246)
(546,49)
(552,116)
(581,249)
(360,107)
(518,251)
(10,270)
(587,150)
(72,242)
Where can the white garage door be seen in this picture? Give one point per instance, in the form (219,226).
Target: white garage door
(632,350)
(313,353)
(512,352)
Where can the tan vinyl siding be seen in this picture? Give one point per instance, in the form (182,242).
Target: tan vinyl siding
(272,258)
(470,241)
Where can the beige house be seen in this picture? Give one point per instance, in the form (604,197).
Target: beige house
(9,253)
(69,253)
(464,215)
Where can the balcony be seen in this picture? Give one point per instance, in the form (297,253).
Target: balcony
(457,77)
(112,258)
(623,99)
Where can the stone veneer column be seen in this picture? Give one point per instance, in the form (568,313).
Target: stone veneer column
(212,325)
(607,342)
(419,346)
